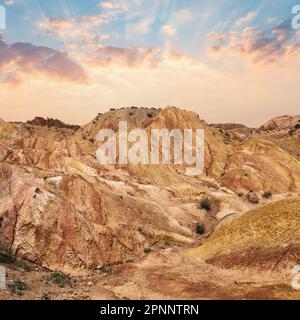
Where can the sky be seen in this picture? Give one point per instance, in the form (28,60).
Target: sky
(228,60)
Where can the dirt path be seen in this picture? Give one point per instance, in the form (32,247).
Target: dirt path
(169,274)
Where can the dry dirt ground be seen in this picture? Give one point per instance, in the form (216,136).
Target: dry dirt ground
(161,274)
(34,283)
(169,274)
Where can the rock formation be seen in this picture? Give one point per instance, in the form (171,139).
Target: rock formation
(62,210)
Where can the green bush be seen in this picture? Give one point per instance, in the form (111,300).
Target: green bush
(6,254)
(7,257)
(200,228)
(205,204)
(60,279)
(18,287)
(267,194)
(107,270)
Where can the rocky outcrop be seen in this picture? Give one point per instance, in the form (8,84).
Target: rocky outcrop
(280,124)
(260,165)
(49,122)
(230,126)
(61,209)
(283,132)
(78,223)
(252,197)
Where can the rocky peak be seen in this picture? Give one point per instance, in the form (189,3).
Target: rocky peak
(49,122)
(281,123)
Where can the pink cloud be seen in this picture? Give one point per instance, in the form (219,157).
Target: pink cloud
(258,45)
(20,60)
(129,57)
(73,30)
(9,2)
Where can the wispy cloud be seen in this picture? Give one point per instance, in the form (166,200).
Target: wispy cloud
(9,2)
(246,19)
(72,30)
(128,57)
(257,45)
(169,30)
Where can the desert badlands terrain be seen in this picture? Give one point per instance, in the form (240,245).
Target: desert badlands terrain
(71,228)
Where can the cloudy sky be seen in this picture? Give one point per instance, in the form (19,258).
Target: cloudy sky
(228,60)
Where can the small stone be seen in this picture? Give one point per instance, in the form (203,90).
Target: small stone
(252,197)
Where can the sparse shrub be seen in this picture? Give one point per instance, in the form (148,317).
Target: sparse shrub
(107,270)
(267,194)
(200,228)
(38,191)
(147,250)
(60,279)
(7,257)
(6,253)
(18,287)
(297,126)
(292,131)
(205,204)
(46,296)
(23,265)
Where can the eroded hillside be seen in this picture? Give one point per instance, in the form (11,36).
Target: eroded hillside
(61,210)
